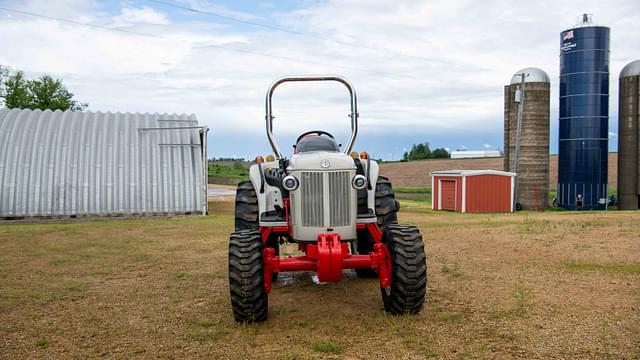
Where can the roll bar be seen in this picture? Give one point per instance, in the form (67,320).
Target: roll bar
(354,107)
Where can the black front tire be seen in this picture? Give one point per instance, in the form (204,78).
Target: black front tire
(247,214)
(408,270)
(249,300)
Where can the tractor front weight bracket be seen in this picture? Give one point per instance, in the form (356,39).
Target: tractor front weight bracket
(327,258)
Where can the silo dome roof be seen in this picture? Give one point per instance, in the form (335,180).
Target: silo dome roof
(533,75)
(631,69)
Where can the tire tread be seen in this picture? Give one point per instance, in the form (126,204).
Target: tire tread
(246,211)
(409,270)
(249,300)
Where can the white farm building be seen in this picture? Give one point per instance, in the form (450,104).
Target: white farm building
(68,164)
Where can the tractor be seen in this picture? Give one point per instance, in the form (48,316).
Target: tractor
(335,207)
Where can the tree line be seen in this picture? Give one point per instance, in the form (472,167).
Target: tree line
(422,151)
(45,92)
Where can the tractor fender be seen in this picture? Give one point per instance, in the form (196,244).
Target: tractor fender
(374,172)
(271,196)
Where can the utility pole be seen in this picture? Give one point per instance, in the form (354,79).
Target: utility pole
(519,98)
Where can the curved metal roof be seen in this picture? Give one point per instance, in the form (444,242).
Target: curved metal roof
(55,163)
(533,75)
(471,173)
(631,69)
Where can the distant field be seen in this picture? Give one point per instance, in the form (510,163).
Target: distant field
(416,173)
(237,171)
(410,175)
(227,173)
(524,285)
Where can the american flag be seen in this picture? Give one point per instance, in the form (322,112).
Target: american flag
(568,35)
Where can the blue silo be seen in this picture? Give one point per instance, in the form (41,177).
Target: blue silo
(584,116)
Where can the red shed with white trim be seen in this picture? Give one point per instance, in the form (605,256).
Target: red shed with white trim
(474,191)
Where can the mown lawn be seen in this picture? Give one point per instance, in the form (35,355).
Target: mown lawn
(529,285)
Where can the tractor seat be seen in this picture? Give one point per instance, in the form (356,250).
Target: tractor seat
(317,143)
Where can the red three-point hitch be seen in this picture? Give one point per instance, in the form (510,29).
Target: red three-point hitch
(328,257)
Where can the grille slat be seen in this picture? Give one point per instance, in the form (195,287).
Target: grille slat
(312,199)
(339,199)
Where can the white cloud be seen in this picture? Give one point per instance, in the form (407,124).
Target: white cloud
(38,45)
(144,15)
(464,52)
(78,10)
(210,6)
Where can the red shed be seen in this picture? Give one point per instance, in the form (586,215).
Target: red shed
(475,191)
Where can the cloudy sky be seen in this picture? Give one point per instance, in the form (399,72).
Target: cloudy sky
(424,70)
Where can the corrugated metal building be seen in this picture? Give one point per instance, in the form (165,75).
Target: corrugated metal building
(471,154)
(55,163)
(474,191)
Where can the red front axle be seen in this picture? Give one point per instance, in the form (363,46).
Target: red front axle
(328,257)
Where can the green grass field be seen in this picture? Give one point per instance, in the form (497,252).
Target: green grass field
(237,172)
(525,285)
(404,190)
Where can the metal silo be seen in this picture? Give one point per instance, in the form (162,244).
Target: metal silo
(533,154)
(584,116)
(629,137)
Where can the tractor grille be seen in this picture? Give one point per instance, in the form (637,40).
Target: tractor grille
(312,199)
(338,201)
(339,198)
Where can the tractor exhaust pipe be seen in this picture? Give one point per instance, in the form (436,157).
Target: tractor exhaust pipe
(354,108)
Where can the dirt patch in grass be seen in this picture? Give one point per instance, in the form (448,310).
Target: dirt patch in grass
(528,285)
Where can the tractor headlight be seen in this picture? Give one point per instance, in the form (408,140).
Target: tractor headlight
(290,183)
(359,182)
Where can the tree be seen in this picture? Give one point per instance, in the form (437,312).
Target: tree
(441,153)
(422,151)
(418,152)
(42,93)
(14,91)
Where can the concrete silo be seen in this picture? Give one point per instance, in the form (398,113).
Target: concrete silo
(584,116)
(629,138)
(533,154)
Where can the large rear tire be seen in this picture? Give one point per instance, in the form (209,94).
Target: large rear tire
(246,207)
(249,300)
(408,270)
(386,205)
(387,214)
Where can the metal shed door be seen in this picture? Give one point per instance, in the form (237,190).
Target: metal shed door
(448,195)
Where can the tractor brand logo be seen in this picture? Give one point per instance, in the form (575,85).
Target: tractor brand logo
(325,163)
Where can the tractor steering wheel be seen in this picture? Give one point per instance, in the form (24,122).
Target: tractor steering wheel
(318,132)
